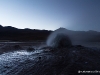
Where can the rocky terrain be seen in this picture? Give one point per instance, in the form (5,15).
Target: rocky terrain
(50,61)
(58,57)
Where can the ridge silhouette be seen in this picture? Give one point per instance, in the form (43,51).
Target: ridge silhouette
(15,34)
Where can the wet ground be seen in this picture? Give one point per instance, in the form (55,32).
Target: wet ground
(18,60)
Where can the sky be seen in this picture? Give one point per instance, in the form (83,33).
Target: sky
(78,15)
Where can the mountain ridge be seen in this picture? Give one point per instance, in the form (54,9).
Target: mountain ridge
(15,34)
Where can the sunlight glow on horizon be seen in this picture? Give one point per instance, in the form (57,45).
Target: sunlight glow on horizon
(50,14)
(26,17)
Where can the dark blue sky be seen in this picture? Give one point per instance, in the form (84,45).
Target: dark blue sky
(51,14)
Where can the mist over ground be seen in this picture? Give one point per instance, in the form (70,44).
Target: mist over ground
(63,52)
(85,38)
(40,48)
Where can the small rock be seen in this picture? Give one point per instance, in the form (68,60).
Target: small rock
(30,49)
(17,47)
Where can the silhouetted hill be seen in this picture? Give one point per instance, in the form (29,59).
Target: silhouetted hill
(86,36)
(15,34)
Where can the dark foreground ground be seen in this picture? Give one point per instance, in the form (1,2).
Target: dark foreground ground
(16,46)
(32,59)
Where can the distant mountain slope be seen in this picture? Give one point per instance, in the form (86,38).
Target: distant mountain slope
(86,36)
(15,34)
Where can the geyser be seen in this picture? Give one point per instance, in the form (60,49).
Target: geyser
(59,39)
